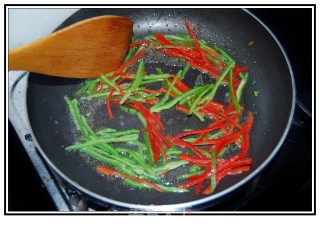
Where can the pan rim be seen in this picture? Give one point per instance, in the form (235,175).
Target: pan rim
(188,205)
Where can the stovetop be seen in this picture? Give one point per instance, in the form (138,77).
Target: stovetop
(286,185)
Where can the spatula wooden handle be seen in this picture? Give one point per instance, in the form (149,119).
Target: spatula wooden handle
(83,50)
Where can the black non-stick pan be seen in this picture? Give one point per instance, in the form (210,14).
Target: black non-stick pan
(232,29)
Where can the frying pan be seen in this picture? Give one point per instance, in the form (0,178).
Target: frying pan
(233,29)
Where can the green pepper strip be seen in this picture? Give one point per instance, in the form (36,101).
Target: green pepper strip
(231,93)
(102,157)
(169,166)
(108,140)
(148,147)
(79,120)
(128,110)
(198,98)
(136,156)
(213,167)
(157,76)
(194,173)
(166,96)
(171,103)
(227,57)
(135,84)
(243,82)
(123,163)
(184,71)
(88,84)
(107,133)
(106,81)
(210,96)
(146,139)
(186,40)
(164,188)
(178,93)
(131,52)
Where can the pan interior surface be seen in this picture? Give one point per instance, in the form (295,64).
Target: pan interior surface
(232,29)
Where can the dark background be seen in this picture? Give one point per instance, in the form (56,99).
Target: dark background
(286,186)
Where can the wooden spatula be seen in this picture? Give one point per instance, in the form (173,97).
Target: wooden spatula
(83,50)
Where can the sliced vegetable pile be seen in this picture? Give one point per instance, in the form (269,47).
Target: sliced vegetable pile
(144,158)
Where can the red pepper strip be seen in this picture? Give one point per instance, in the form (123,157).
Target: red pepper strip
(109,103)
(99,87)
(121,91)
(157,140)
(107,171)
(199,185)
(211,109)
(156,148)
(233,112)
(130,62)
(115,101)
(229,108)
(197,177)
(182,54)
(205,133)
(163,40)
(126,73)
(207,190)
(208,129)
(158,134)
(214,107)
(227,139)
(234,115)
(224,143)
(165,90)
(206,69)
(202,112)
(142,43)
(181,49)
(217,105)
(123,79)
(215,54)
(151,91)
(239,170)
(232,126)
(218,67)
(151,102)
(219,176)
(234,79)
(204,162)
(147,114)
(182,108)
(184,144)
(158,115)
(180,85)
(246,136)
(243,69)
(207,174)
(178,52)
(195,41)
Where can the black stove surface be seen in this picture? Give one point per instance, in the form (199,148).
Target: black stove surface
(286,185)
